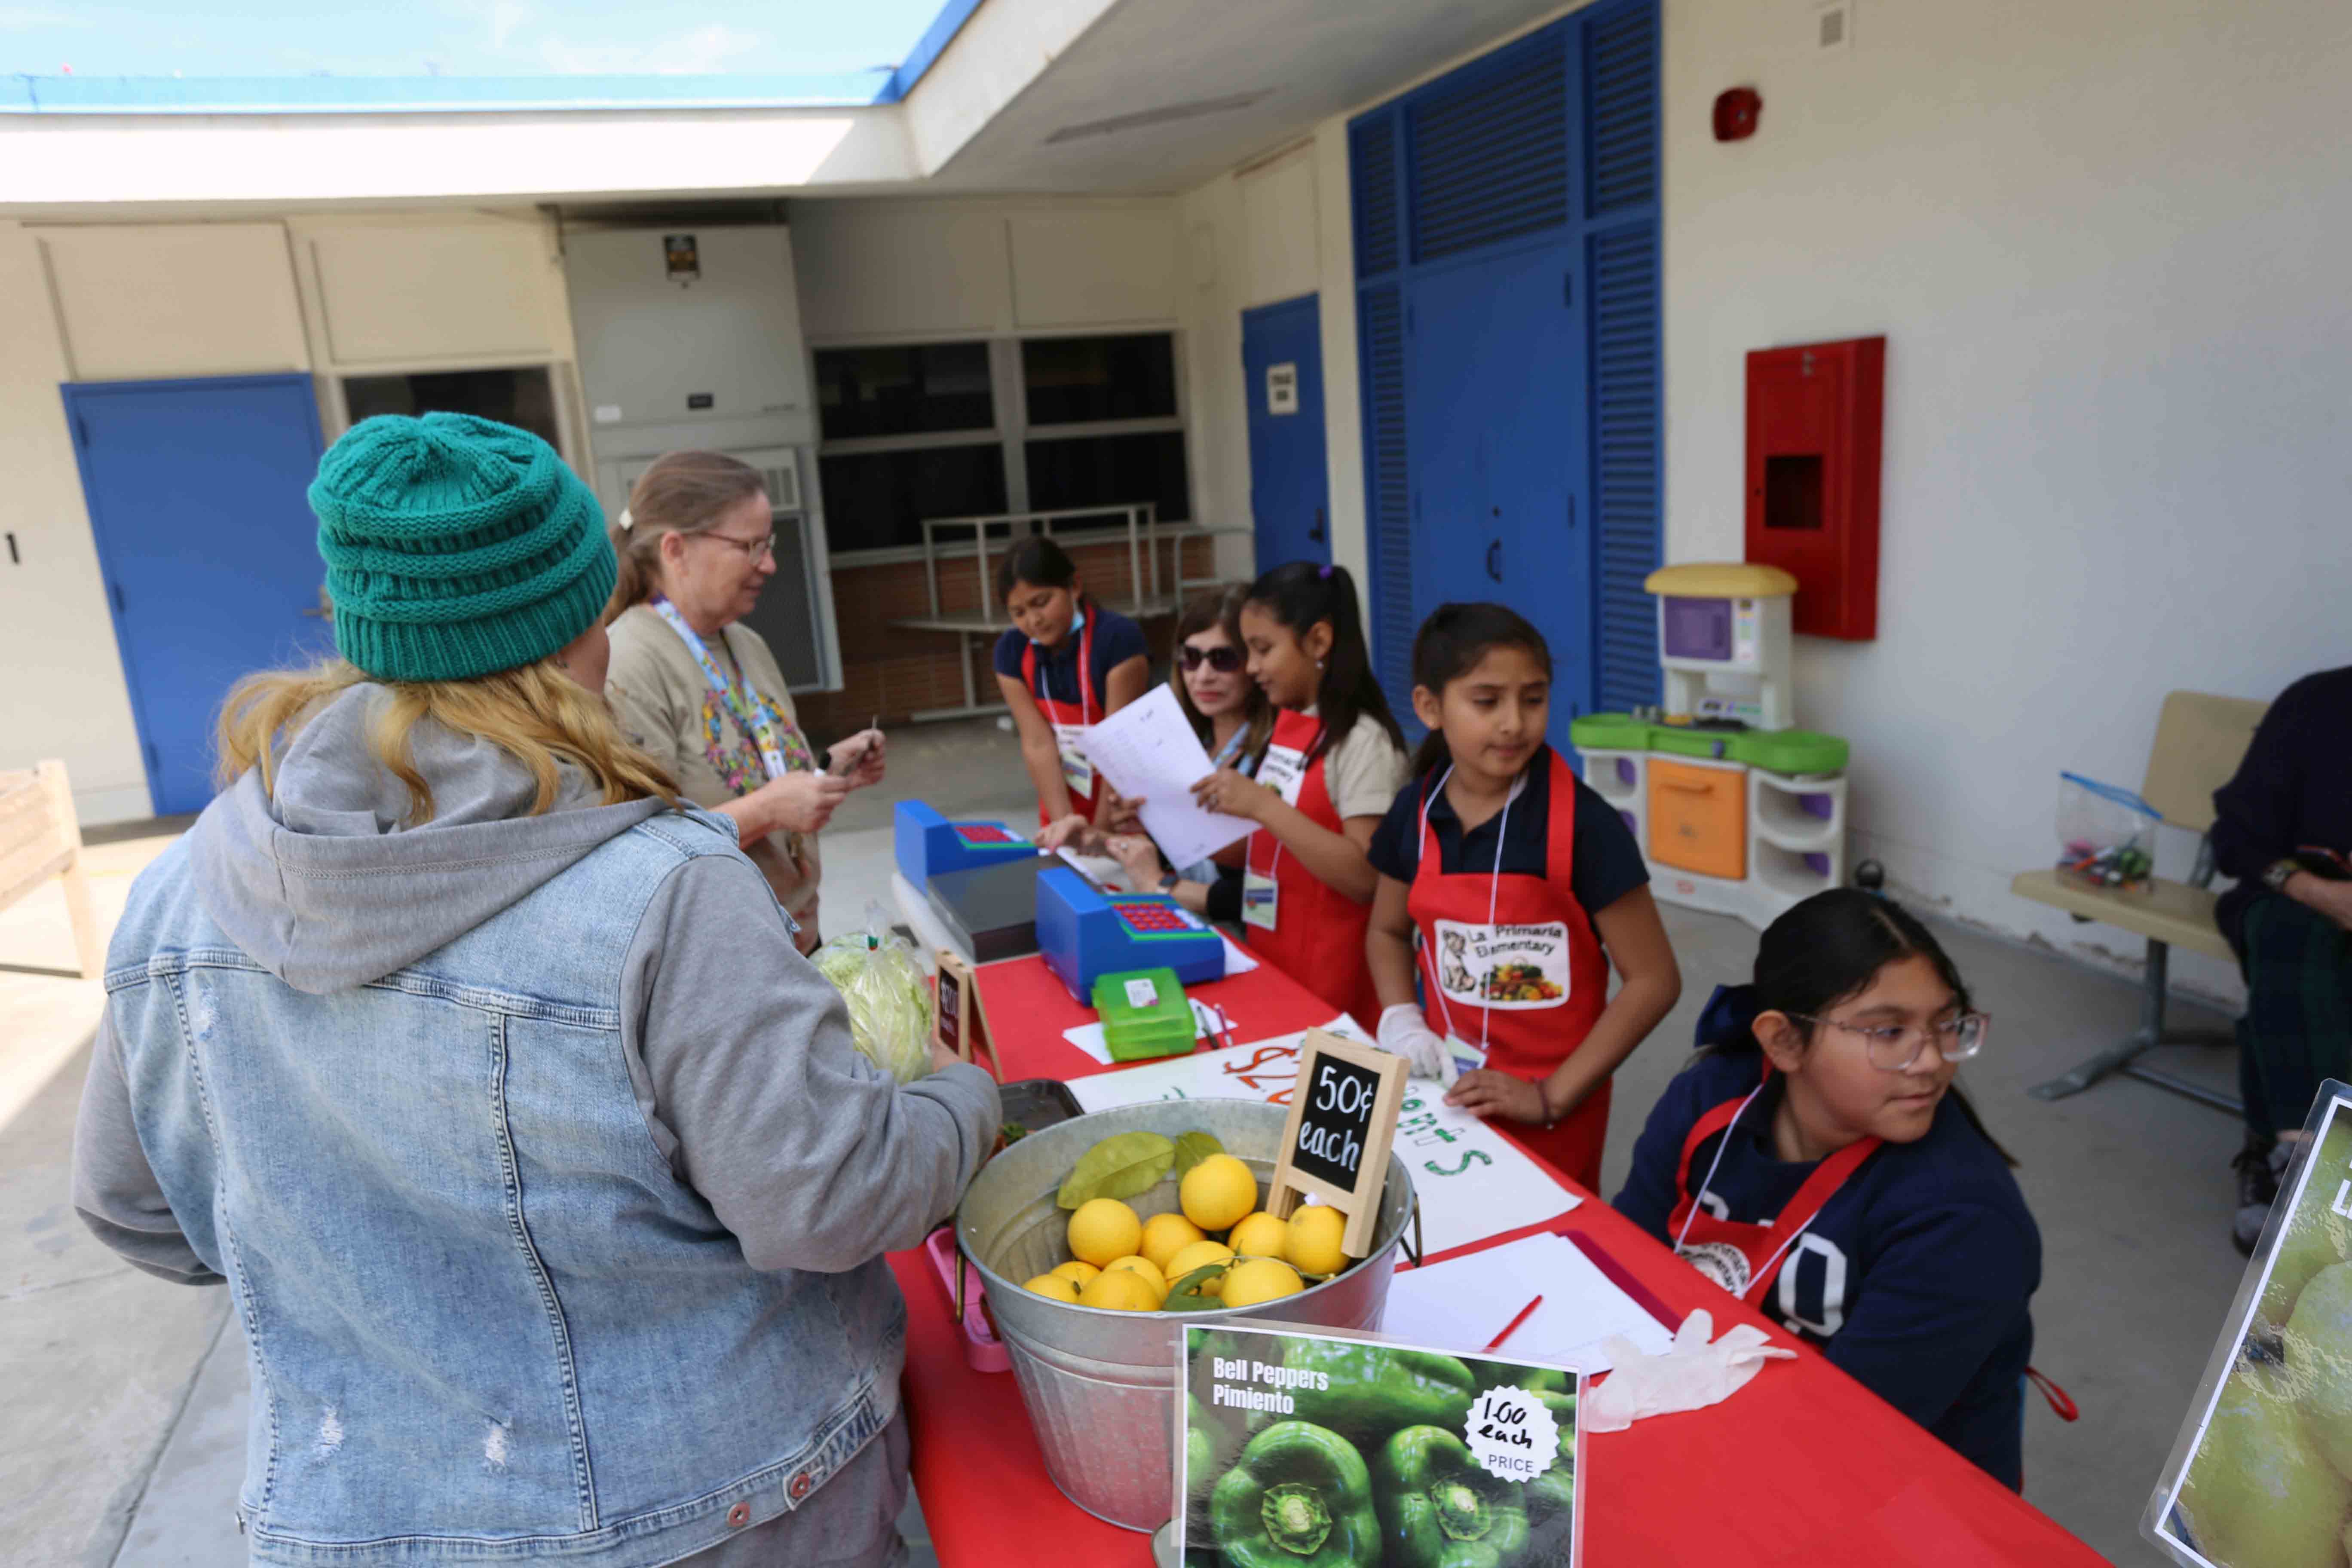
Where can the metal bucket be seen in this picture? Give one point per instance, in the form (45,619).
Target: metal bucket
(1101,1385)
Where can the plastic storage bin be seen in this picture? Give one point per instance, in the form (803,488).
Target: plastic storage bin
(1699,818)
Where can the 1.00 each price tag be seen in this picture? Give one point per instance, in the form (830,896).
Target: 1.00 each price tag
(1511,1434)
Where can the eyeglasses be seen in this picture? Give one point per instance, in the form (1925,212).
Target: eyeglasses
(1892,1047)
(754,549)
(1224,661)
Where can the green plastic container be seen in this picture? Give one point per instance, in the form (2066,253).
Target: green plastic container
(1144,1015)
(1793,752)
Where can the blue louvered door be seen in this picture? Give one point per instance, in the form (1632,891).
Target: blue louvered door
(1506,233)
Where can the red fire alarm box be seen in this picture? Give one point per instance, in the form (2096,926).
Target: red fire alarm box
(1814,414)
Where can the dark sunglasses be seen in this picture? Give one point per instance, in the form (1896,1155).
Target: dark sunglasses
(1223,660)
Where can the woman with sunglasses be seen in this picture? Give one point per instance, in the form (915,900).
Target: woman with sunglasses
(1818,1162)
(1232,718)
(699,690)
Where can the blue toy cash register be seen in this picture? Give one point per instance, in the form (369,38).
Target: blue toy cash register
(928,844)
(1086,933)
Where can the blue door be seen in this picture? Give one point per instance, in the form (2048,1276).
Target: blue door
(1495,375)
(196,492)
(1282,365)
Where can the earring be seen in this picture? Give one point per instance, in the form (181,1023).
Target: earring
(1318,667)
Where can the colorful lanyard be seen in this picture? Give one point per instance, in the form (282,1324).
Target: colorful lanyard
(1494,881)
(1231,748)
(753,715)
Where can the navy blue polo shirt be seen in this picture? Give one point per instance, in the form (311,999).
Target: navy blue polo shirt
(1915,1277)
(1609,864)
(1117,640)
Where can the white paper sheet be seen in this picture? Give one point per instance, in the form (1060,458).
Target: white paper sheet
(1147,751)
(1461,1304)
(1472,1182)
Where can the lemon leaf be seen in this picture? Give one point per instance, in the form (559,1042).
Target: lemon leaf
(1192,1148)
(1120,1166)
(1186,1296)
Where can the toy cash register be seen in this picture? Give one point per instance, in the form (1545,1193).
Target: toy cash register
(1086,933)
(928,844)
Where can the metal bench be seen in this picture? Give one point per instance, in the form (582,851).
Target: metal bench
(2199,740)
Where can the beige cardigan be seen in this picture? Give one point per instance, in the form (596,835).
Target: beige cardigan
(663,704)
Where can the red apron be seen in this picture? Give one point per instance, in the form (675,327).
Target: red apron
(1069,719)
(1316,934)
(1510,963)
(1744,1258)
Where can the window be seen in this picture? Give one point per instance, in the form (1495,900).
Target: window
(1111,470)
(1076,381)
(523,396)
(964,429)
(874,500)
(903,391)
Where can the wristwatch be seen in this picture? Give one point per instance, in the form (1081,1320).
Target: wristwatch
(1167,883)
(2276,875)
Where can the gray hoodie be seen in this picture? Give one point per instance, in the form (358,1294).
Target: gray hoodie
(737,1047)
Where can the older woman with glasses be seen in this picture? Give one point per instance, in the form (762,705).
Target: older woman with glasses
(700,691)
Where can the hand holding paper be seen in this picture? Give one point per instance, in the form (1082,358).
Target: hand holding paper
(1691,1375)
(1148,752)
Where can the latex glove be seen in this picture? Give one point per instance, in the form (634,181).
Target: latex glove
(1692,1376)
(1403,1032)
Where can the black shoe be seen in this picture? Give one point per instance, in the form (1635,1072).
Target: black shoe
(2259,1166)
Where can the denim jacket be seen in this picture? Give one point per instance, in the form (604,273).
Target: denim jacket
(560,1238)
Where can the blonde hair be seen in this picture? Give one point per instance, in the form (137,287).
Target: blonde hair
(535,713)
(682,492)
(1221,608)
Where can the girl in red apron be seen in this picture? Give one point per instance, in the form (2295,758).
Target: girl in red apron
(1818,1162)
(1333,759)
(1064,663)
(1510,934)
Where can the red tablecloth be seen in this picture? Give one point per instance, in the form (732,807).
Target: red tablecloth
(1803,1466)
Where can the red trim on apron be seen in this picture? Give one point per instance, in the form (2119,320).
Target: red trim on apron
(1526,1037)
(1318,937)
(1064,716)
(1744,1258)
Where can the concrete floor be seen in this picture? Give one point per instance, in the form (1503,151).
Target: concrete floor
(125,1441)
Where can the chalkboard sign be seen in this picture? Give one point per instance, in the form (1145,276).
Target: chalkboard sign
(961,1023)
(1335,1145)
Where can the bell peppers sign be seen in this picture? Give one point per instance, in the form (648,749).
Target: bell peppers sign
(1347,1451)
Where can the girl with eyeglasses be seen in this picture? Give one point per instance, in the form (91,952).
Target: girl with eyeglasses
(1232,719)
(1818,1162)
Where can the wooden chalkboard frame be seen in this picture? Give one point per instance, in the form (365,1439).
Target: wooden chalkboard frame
(1361,1202)
(969,1034)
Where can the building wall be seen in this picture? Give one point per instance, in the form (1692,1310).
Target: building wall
(351,295)
(2100,240)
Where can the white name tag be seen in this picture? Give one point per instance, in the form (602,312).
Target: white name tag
(1260,897)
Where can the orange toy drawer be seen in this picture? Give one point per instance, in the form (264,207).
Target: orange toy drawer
(1699,818)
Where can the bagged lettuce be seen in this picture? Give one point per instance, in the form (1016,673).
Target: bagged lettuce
(889,993)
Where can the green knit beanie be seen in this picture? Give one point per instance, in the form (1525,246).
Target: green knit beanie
(456,547)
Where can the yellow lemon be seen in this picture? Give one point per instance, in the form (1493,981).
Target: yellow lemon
(1139,1264)
(1121,1291)
(1200,1254)
(1078,1271)
(1261,1236)
(1260,1280)
(1165,1236)
(1217,1191)
(1314,1244)
(1053,1284)
(1102,1229)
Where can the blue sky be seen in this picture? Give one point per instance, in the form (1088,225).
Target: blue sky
(456,38)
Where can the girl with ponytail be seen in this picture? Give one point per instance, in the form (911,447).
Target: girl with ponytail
(1332,765)
(1507,891)
(1818,1162)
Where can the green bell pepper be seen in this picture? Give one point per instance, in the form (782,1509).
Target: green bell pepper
(1300,1497)
(1376,1390)
(1441,1509)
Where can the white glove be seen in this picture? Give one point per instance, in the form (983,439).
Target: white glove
(1690,1376)
(1403,1032)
